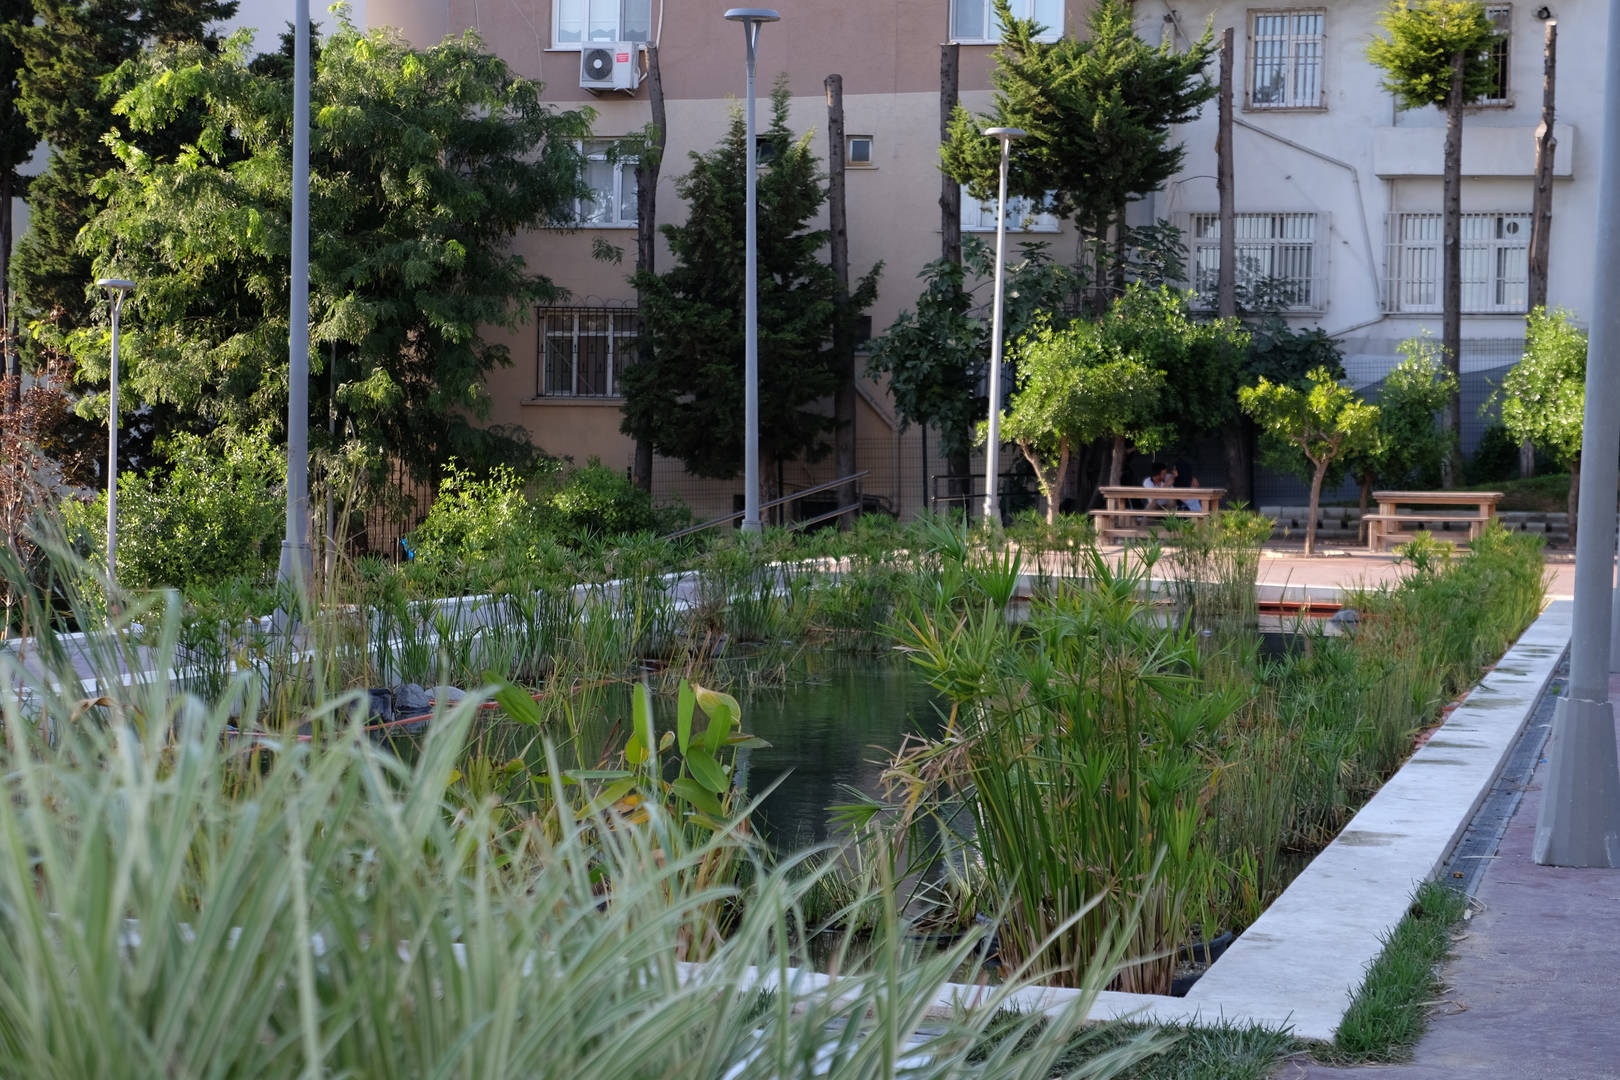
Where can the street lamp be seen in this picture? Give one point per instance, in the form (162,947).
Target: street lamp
(294,566)
(993,445)
(752,19)
(117,289)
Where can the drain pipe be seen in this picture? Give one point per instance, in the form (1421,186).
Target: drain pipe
(1355,181)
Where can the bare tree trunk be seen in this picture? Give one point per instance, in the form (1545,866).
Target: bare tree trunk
(648,166)
(1116,465)
(950,192)
(1316,502)
(1541,203)
(10,355)
(1235,449)
(1572,503)
(843,335)
(1226,289)
(1117,271)
(1451,273)
(1054,498)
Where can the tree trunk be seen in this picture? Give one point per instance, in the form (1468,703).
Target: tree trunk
(843,336)
(1055,496)
(648,167)
(10,355)
(950,192)
(1116,466)
(960,466)
(1572,502)
(1117,271)
(1541,203)
(1366,480)
(1451,272)
(1316,501)
(1235,448)
(1226,289)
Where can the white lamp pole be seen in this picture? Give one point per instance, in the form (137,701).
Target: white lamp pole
(992,512)
(117,289)
(294,566)
(752,19)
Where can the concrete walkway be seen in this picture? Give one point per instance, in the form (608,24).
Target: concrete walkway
(1533,985)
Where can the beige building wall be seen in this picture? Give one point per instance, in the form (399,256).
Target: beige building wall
(888,53)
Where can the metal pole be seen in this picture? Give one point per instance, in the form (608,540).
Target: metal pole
(993,443)
(1579,824)
(751,19)
(117,289)
(294,568)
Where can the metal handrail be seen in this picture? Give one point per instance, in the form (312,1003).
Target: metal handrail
(840,482)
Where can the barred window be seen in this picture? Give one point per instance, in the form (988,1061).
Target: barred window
(1495,260)
(1501,16)
(1285,59)
(1278,265)
(582,351)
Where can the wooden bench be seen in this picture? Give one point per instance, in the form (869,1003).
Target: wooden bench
(1388,526)
(1120,519)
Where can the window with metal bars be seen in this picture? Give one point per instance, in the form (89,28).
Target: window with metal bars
(1495,260)
(1278,264)
(1285,59)
(1501,16)
(583,350)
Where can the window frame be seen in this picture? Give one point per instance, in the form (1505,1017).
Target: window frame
(849,152)
(621,330)
(991,34)
(1292,99)
(1495,263)
(596,149)
(585,40)
(1019,220)
(1278,245)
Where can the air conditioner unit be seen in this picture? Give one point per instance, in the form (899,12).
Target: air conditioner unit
(611,66)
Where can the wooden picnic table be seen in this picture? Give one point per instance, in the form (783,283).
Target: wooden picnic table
(1388,526)
(1138,511)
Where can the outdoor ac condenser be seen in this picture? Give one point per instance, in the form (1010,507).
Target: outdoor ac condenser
(610,66)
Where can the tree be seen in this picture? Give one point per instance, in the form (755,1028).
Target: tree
(70,52)
(424,164)
(1438,52)
(1324,423)
(1098,112)
(1408,444)
(1075,387)
(16,146)
(936,356)
(688,400)
(1543,396)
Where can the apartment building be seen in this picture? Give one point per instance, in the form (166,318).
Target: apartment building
(1338,193)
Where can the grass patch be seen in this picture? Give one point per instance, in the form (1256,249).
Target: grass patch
(1225,1052)
(1387,1015)
(1545,494)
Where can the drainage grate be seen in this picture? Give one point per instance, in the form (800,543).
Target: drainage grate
(1466,865)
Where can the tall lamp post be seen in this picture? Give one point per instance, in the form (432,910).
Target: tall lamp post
(752,19)
(117,289)
(993,444)
(294,567)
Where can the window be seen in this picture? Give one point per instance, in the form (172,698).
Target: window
(1285,60)
(1501,16)
(583,350)
(1495,262)
(612,203)
(580,22)
(1022,216)
(975,20)
(858,155)
(1278,265)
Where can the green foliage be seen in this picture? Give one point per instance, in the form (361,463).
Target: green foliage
(1409,444)
(70,53)
(935,358)
(1543,396)
(426,162)
(1281,354)
(1422,39)
(1323,423)
(216,512)
(598,501)
(1098,108)
(477,519)
(688,399)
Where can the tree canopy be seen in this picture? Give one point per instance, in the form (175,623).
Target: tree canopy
(1543,396)
(687,399)
(1409,444)
(1420,46)
(424,163)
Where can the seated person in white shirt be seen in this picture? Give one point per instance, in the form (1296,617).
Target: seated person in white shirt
(1159,476)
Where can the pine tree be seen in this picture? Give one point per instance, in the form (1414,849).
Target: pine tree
(688,399)
(70,51)
(1097,113)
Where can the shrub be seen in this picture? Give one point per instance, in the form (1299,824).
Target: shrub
(598,501)
(477,520)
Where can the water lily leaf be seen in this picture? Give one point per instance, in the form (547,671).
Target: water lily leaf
(700,798)
(706,770)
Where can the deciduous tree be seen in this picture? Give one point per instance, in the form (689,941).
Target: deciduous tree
(1409,444)
(1543,396)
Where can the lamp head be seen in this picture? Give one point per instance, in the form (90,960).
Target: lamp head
(1005,134)
(1543,12)
(752,15)
(117,285)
